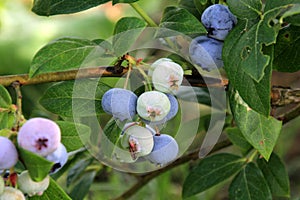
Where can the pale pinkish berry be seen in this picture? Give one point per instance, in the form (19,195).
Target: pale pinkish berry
(39,135)
(8,153)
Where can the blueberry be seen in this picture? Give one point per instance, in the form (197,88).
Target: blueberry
(8,153)
(167,75)
(206,52)
(39,135)
(218,20)
(153,105)
(59,157)
(165,150)
(120,103)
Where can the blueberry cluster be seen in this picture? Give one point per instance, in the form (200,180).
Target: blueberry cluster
(42,137)
(206,51)
(151,108)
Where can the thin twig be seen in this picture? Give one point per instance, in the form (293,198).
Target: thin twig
(19,117)
(290,115)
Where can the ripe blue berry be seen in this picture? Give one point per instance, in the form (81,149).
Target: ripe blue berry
(39,135)
(59,157)
(153,105)
(120,103)
(218,20)
(8,153)
(165,149)
(206,52)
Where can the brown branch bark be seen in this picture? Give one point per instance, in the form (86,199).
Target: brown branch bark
(24,79)
(279,96)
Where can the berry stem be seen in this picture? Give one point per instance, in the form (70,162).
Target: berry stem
(143,14)
(252,156)
(150,21)
(17,86)
(222,2)
(127,76)
(147,81)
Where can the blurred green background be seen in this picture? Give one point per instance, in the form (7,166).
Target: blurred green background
(22,34)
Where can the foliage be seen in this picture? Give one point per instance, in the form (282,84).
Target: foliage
(265,39)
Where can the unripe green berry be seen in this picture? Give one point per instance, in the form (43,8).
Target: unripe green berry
(153,105)
(138,140)
(167,76)
(2,185)
(157,63)
(12,194)
(30,187)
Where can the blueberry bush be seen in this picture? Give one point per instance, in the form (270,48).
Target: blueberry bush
(135,102)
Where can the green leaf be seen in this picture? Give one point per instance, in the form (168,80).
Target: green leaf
(286,50)
(37,166)
(255,94)
(65,54)
(276,175)
(179,20)
(5,99)
(7,116)
(246,9)
(74,135)
(80,98)
(270,5)
(123,1)
(291,12)
(54,7)
(126,32)
(7,120)
(248,52)
(256,33)
(190,6)
(82,188)
(53,192)
(249,184)
(237,138)
(111,135)
(211,171)
(260,131)
(77,170)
